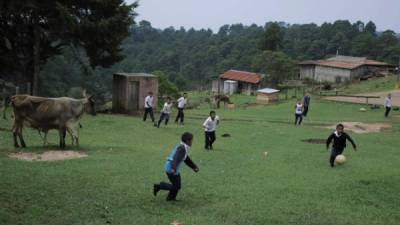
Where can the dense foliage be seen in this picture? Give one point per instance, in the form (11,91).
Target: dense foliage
(191,58)
(33,31)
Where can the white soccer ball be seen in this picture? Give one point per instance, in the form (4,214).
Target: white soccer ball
(340,159)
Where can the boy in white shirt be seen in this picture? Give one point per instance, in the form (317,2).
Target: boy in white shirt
(181,105)
(148,107)
(209,130)
(165,112)
(298,113)
(388,104)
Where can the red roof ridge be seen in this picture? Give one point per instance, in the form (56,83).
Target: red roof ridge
(244,76)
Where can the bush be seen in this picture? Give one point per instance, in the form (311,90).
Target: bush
(326,86)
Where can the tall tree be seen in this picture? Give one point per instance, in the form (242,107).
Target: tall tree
(277,65)
(273,37)
(34,30)
(370,28)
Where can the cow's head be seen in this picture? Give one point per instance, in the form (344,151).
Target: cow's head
(90,106)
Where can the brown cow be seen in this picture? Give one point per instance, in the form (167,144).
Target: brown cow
(45,114)
(222,98)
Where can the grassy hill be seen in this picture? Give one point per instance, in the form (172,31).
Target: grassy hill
(236,183)
(371,85)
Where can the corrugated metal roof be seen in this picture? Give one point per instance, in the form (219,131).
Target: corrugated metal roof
(243,76)
(268,90)
(345,62)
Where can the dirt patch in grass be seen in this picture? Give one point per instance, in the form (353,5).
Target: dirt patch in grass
(362,128)
(314,141)
(48,155)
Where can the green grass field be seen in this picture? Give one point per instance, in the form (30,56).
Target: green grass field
(236,183)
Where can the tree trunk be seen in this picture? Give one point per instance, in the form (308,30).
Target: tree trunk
(36,60)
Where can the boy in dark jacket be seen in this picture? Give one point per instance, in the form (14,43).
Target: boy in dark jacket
(179,153)
(339,138)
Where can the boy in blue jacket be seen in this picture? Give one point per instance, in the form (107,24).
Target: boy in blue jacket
(179,153)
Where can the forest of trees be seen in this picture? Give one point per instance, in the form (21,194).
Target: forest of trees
(191,58)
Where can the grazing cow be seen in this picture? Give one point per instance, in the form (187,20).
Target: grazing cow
(222,98)
(45,114)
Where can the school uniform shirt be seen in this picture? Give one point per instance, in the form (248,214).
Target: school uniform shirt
(167,108)
(182,102)
(388,102)
(210,125)
(179,153)
(148,102)
(339,141)
(299,109)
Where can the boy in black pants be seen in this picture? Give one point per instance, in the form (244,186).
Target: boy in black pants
(179,153)
(165,112)
(182,101)
(339,138)
(388,104)
(148,107)
(210,126)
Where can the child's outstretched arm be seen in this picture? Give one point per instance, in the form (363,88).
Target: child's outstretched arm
(191,164)
(352,142)
(329,140)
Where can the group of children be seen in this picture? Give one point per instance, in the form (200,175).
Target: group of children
(209,125)
(180,153)
(166,110)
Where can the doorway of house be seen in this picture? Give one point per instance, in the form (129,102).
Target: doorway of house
(133,101)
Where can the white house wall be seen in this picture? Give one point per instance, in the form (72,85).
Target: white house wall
(331,74)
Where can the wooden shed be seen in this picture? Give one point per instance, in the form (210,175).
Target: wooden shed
(130,90)
(267,95)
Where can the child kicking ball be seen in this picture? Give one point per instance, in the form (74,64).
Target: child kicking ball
(339,138)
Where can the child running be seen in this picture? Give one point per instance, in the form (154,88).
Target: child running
(165,112)
(179,153)
(182,101)
(298,113)
(148,107)
(339,138)
(209,129)
(306,104)
(388,104)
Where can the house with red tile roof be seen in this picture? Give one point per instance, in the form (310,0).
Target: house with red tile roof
(343,68)
(245,82)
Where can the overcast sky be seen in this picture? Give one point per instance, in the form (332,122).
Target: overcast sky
(215,13)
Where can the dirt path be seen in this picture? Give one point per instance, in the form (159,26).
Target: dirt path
(362,128)
(48,156)
(371,101)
